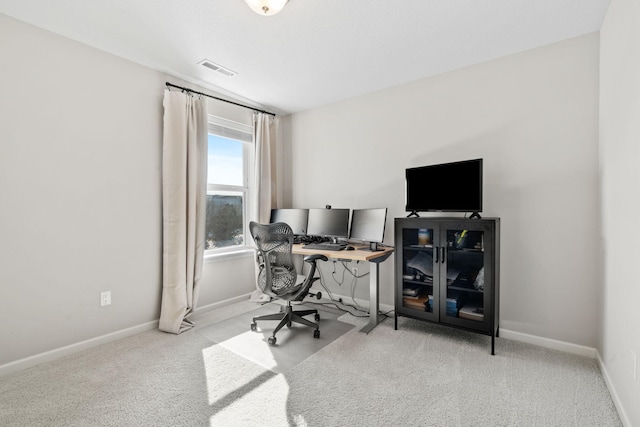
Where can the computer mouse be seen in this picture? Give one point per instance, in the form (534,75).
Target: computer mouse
(349,248)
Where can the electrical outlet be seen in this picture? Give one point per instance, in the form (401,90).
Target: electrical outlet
(634,366)
(105,298)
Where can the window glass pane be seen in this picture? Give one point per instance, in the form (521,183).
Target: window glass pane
(225,161)
(224,226)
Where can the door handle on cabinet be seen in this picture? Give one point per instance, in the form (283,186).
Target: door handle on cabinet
(442,258)
(435,250)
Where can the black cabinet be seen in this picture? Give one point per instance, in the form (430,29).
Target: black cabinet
(447,272)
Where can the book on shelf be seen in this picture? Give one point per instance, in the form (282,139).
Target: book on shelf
(419,303)
(472,312)
(466,279)
(452,304)
(413,290)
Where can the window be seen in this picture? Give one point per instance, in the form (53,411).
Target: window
(228,190)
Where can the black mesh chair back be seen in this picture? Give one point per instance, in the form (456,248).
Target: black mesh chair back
(277,276)
(274,242)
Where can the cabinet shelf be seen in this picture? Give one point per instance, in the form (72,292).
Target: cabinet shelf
(418,282)
(466,250)
(419,248)
(464,289)
(462,259)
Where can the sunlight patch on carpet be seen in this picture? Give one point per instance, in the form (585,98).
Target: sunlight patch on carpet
(233,381)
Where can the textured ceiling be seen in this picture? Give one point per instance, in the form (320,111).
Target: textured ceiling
(314,52)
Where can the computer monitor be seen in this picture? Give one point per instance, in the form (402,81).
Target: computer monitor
(295,218)
(332,223)
(368,225)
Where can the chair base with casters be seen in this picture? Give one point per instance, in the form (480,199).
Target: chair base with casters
(288,317)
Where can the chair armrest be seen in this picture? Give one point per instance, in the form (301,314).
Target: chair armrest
(313,258)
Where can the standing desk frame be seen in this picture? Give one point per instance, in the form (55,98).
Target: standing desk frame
(374,259)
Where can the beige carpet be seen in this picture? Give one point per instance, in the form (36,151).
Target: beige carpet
(419,375)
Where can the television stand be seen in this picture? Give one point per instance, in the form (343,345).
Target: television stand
(413,213)
(462,249)
(475,215)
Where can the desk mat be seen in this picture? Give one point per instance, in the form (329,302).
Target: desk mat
(293,345)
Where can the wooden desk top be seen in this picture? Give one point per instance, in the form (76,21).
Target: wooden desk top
(355,255)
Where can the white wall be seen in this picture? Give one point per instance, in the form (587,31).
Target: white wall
(80,195)
(619,159)
(533,117)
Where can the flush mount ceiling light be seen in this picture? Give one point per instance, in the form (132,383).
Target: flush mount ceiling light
(266,7)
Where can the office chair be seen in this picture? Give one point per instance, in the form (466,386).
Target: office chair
(277,275)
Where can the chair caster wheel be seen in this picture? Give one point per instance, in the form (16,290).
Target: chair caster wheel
(317,317)
(254,326)
(271,340)
(316,333)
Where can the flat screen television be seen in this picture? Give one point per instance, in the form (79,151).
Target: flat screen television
(445,187)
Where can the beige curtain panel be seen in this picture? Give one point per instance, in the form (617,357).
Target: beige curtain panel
(184,186)
(264,135)
(265,170)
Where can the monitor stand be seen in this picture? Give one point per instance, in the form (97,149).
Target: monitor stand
(373,247)
(413,213)
(475,215)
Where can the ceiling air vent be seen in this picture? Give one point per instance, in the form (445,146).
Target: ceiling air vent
(217,68)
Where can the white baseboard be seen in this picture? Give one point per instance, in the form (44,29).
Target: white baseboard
(549,343)
(614,395)
(209,307)
(57,353)
(504,333)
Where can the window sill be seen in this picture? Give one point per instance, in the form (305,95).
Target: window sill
(244,252)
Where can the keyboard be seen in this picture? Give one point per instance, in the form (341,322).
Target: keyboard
(326,246)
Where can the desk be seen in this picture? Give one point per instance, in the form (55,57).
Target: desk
(374,259)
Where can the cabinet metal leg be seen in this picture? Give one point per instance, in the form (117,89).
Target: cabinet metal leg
(495,333)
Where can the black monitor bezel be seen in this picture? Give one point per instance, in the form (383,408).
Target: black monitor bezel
(311,231)
(274,213)
(365,240)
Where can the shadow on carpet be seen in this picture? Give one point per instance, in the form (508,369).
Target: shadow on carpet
(293,344)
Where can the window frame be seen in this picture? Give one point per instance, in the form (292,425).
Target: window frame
(242,133)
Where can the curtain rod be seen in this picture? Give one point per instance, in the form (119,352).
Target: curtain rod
(220,99)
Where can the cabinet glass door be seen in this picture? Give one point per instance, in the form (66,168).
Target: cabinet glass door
(463,277)
(418,271)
